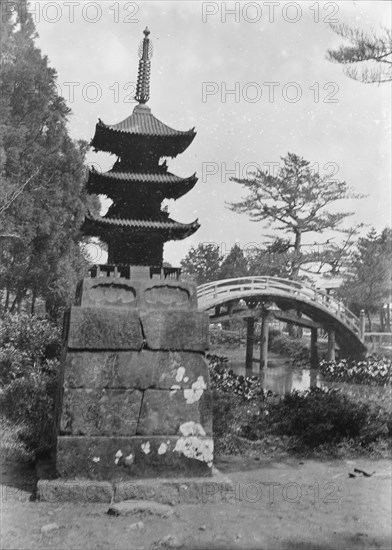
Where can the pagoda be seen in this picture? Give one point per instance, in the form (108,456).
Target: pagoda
(136,226)
(134,394)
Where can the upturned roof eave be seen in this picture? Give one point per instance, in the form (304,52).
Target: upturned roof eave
(117,143)
(170,230)
(170,186)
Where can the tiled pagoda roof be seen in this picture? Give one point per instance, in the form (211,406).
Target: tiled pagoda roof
(140,126)
(172,229)
(170,185)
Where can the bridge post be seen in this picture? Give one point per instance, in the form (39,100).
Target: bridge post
(264,341)
(250,336)
(313,348)
(331,345)
(362,324)
(313,378)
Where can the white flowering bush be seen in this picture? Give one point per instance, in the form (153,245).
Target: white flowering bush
(372,370)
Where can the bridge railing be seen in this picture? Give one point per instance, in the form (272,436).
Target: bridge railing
(210,294)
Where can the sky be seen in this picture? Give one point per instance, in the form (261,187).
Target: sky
(254,81)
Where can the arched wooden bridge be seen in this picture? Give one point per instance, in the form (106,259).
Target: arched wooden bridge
(319,306)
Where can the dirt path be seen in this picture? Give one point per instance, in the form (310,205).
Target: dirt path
(275,505)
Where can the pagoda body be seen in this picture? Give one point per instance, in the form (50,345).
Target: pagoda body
(136,227)
(134,398)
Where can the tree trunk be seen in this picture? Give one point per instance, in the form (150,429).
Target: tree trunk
(7,300)
(33,300)
(14,304)
(369,320)
(382,318)
(296,264)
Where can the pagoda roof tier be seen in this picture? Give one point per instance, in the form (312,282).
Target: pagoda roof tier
(168,229)
(141,127)
(168,185)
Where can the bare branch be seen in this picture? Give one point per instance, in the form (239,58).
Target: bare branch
(16,193)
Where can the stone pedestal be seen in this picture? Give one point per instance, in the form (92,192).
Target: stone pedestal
(135,397)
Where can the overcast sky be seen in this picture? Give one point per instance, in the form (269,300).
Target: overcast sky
(313,110)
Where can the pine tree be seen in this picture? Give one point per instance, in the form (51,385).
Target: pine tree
(293,201)
(368,58)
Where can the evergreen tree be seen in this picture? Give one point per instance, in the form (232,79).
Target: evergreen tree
(293,201)
(368,285)
(368,58)
(42,201)
(234,265)
(202,263)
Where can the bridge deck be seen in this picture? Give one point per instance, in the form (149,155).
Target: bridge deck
(316,304)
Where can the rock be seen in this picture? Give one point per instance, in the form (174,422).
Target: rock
(128,507)
(202,528)
(49,528)
(135,526)
(170,541)
(366,474)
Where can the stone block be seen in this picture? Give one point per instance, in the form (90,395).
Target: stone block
(180,369)
(100,412)
(74,490)
(119,458)
(168,294)
(104,328)
(166,412)
(217,489)
(106,292)
(143,294)
(175,330)
(133,369)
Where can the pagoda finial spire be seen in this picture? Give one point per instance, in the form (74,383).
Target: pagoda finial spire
(143,77)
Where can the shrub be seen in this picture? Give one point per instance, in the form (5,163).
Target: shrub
(295,348)
(28,404)
(27,345)
(272,334)
(311,419)
(12,447)
(320,417)
(29,352)
(226,381)
(373,370)
(225,407)
(227,338)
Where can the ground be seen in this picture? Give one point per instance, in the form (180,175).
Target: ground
(285,504)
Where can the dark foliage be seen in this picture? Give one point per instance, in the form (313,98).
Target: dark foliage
(372,370)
